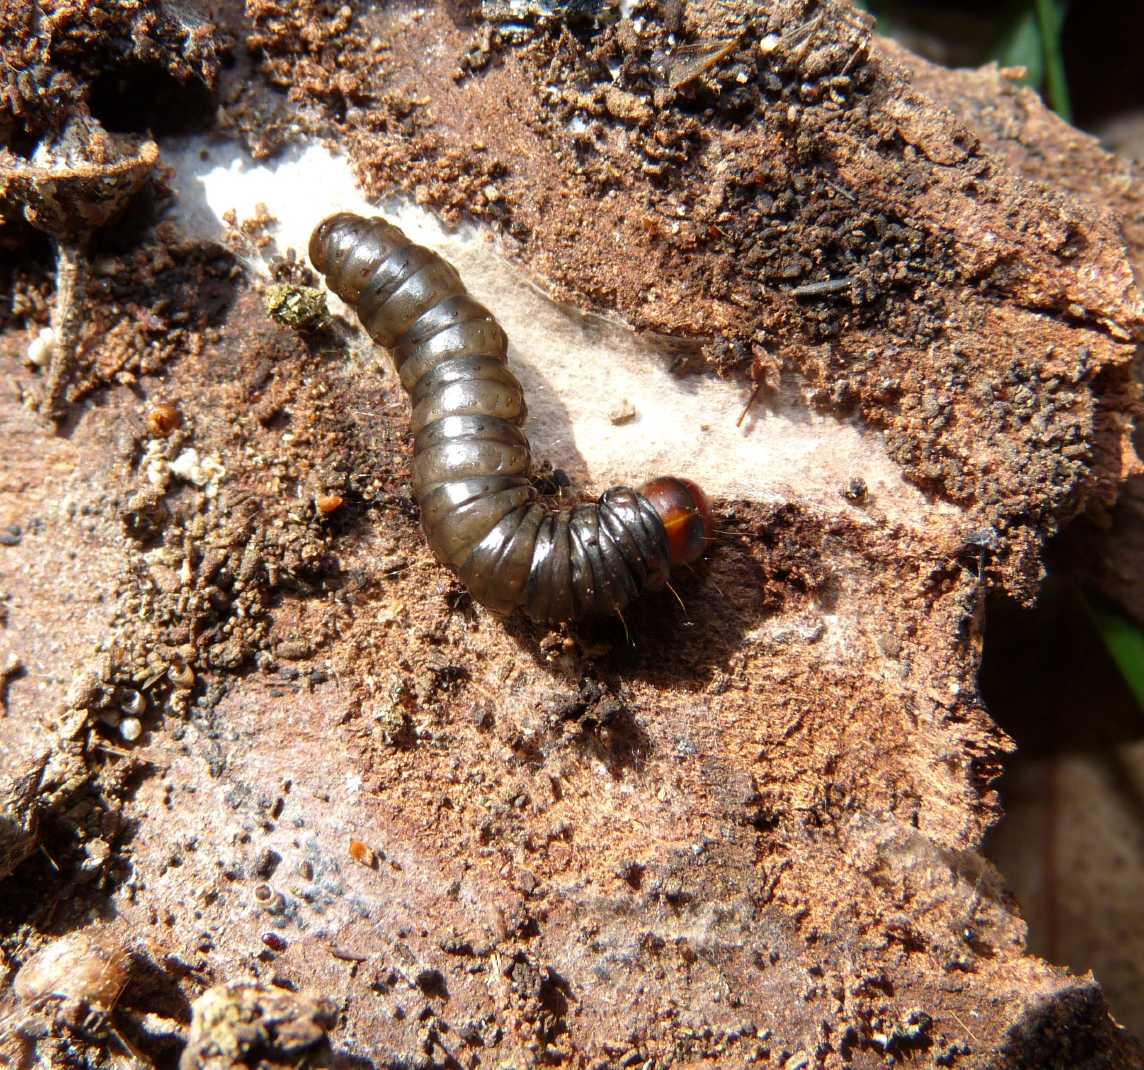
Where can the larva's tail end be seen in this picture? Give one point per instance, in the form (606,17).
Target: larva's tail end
(322,240)
(686,515)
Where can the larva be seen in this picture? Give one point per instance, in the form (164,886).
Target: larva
(471,459)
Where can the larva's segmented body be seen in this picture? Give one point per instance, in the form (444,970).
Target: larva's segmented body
(470,458)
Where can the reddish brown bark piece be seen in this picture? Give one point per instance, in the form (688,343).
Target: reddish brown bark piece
(751,836)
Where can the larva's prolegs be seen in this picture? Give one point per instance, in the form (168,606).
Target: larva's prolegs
(471,460)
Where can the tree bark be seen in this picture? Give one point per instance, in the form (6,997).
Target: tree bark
(744,831)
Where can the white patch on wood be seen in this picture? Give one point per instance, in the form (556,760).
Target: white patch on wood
(576,367)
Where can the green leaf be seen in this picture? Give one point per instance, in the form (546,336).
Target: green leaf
(1032,39)
(1051,18)
(1020,46)
(1125,642)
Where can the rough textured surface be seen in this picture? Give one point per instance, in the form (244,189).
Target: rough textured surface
(1015,126)
(244,1025)
(750,835)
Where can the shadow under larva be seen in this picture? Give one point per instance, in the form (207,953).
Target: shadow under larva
(471,460)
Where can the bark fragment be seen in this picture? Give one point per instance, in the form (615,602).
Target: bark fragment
(751,835)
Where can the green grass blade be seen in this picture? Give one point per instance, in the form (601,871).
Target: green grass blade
(1050,19)
(1021,46)
(1125,642)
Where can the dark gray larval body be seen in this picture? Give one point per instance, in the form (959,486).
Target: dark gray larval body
(470,458)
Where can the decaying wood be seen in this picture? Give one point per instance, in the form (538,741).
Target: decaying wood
(748,836)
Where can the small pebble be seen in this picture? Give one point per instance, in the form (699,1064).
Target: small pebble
(40,348)
(130,728)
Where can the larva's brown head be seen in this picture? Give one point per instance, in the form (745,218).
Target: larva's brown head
(326,233)
(686,516)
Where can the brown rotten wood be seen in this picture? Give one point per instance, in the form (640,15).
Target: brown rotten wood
(750,836)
